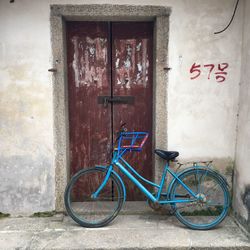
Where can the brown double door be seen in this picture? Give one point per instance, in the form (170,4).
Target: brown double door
(110,81)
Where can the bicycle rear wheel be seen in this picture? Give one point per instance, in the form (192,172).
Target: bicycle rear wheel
(212,206)
(86,210)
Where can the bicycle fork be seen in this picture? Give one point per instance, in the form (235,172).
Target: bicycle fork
(96,193)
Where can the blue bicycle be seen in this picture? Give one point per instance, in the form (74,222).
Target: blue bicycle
(198,195)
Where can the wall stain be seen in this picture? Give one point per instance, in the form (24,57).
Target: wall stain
(27,184)
(246,201)
(25,114)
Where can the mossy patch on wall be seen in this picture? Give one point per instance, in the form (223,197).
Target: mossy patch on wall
(44,214)
(3,215)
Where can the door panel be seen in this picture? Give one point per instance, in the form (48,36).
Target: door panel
(132,60)
(88,77)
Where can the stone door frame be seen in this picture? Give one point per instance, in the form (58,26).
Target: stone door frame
(59,14)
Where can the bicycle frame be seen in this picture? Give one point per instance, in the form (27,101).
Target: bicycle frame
(118,160)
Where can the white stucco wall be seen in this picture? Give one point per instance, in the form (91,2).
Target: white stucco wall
(26,147)
(202,113)
(242,174)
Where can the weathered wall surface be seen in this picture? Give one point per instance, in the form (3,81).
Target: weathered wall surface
(242,174)
(202,107)
(201,111)
(26,147)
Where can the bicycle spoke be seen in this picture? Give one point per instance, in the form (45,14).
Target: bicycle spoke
(195,181)
(199,184)
(203,181)
(211,189)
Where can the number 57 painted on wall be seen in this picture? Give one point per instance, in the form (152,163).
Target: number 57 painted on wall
(220,74)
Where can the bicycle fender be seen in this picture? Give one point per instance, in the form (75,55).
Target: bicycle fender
(221,177)
(119,178)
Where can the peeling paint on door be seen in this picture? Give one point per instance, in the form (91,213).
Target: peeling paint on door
(90,61)
(131,62)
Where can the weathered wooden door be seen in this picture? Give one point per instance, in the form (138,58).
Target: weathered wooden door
(109,59)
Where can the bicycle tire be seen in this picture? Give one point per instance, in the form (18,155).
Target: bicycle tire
(213,206)
(84,211)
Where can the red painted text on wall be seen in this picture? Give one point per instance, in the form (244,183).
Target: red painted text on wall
(218,71)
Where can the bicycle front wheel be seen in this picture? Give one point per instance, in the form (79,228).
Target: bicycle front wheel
(86,210)
(212,204)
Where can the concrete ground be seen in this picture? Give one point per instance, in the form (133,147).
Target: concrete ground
(135,230)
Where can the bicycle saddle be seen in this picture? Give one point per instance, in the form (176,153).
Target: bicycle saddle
(167,155)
